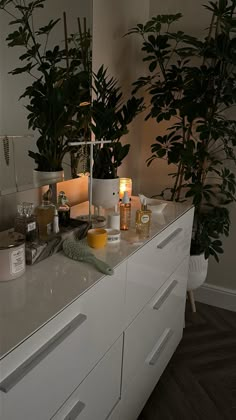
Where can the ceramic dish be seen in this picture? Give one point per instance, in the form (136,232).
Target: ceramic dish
(156,206)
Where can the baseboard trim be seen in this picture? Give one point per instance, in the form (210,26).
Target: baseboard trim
(216,296)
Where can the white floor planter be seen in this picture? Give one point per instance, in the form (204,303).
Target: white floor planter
(198,267)
(105,192)
(43,178)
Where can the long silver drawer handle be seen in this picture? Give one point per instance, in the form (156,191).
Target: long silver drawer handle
(75,411)
(10,381)
(165,295)
(169,238)
(154,356)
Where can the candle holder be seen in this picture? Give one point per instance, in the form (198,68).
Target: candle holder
(125,185)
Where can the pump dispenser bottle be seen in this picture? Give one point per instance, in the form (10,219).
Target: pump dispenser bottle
(125,212)
(143,220)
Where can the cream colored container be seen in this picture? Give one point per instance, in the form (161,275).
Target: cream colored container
(12,255)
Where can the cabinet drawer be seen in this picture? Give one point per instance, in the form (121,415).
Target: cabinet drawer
(99,392)
(142,384)
(154,324)
(45,370)
(151,266)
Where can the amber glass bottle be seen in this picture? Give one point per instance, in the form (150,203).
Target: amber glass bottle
(125,212)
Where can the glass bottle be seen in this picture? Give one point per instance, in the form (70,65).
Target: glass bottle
(143,220)
(25,222)
(125,212)
(63,209)
(45,216)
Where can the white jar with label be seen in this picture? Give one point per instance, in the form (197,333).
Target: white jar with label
(12,255)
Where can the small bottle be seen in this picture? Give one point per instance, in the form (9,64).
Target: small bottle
(20,222)
(31,223)
(143,220)
(63,209)
(56,222)
(45,216)
(25,222)
(125,212)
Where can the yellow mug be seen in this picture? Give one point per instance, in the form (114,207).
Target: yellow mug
(97,238)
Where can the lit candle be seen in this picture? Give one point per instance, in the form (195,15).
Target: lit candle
(125,185)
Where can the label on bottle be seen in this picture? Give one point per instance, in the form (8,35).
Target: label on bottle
(17,260)
(49,228)
(145,218)
(31,226)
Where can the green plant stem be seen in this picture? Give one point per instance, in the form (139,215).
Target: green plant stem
(176,181)
(66,41)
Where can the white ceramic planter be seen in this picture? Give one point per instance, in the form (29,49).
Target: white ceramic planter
(198,267)
(105,192)
(43,178)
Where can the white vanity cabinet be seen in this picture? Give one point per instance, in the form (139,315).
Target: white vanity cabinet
(153,264)
(43,372)
(99,392)
(155,304)
(100,356)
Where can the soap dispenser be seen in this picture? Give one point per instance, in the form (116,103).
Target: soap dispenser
(125,212)
(143,220)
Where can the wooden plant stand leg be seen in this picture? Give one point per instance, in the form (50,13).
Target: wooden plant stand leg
(192,301)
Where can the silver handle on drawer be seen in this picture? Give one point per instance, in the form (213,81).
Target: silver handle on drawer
(169,238)
(75,411)
(10,381)
(153,357)
(165,295)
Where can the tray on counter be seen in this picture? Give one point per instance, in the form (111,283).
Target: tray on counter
(38,251)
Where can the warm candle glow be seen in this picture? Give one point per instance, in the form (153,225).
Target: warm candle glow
(125,185)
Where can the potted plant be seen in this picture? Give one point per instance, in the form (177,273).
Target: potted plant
(191,84)
(59,84)
(110,117)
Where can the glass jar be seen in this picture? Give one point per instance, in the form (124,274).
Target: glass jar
(25,222)
(45,215)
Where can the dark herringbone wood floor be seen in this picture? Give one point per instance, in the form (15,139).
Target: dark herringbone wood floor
(200,381)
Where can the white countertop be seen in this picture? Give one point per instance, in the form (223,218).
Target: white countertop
(46,288)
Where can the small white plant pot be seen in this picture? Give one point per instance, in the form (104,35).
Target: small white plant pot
(105,192)
(44,178)
(198,267)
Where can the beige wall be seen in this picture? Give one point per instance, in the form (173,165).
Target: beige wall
(111,20)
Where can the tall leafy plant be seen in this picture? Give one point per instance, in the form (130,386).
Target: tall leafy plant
(110,117)
(191,85)
(59,83)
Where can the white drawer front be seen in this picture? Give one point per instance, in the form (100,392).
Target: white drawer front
(151,266)
(99,392)
(142,384)
(44,380)
(152,328)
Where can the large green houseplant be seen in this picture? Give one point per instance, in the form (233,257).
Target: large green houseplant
(110,117)
(59,85)
(191,85)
